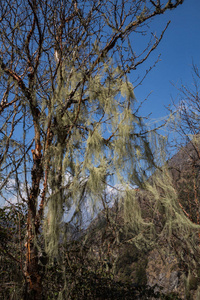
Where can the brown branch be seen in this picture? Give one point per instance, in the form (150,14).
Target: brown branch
(41,209)
(153,47)
(34,8)
(185,212)
(77,114)
(27,45)
(14,170)
(121,34)
(10,255)
(9,137)
(17,79)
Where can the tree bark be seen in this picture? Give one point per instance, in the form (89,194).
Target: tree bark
(32,270)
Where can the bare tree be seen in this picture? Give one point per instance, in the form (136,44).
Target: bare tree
(65,89)
(185,124)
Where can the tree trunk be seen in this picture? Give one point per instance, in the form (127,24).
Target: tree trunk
(32,270)
(32,273)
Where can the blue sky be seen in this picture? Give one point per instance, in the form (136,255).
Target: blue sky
(179,47)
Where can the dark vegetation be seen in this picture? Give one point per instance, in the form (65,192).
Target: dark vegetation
(102,262)
(84,269)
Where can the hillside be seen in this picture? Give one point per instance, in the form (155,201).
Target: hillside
(163,266)
(112,259)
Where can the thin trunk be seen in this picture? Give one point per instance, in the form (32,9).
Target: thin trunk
(32,272)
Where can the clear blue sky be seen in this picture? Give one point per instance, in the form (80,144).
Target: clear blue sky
(179,47)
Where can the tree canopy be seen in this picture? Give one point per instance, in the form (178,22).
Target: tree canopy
(68,114)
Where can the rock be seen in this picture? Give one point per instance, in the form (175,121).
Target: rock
(163,272)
